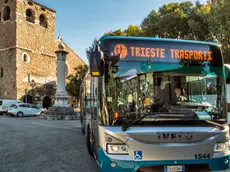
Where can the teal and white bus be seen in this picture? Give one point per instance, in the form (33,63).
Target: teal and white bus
(157,105)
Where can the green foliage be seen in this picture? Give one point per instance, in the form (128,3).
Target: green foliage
(219,22)
(133,30)
(118,32)
(74,81)
(170,20)
(151,24)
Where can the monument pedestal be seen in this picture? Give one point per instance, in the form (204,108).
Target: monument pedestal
(61,100)
(60,113)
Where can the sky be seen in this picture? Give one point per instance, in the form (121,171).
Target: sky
(79,22)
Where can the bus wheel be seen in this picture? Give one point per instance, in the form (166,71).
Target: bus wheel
(88,142)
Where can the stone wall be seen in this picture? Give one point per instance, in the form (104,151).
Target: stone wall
(39,65)
(8,81)
(33,36)
(8,27)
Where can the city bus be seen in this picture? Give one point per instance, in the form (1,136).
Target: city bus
(157,105)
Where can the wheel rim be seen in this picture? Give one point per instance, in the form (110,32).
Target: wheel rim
(20,114)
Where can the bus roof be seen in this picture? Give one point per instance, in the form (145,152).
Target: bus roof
(156,39)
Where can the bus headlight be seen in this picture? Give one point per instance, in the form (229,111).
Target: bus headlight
(117,149)
(221,147)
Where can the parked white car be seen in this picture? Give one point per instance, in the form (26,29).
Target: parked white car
(6,105)
(25,109)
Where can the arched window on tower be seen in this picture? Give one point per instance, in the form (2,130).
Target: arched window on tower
(30,17)
(6,13)
(0,17)
(25,57)
(43,21)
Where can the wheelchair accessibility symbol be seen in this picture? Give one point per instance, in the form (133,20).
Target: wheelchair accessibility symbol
(137,155)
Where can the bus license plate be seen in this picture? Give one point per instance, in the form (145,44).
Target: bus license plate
(175,168)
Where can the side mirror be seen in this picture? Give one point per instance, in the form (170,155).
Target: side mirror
(96,63)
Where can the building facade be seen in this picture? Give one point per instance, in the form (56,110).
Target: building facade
(27,51)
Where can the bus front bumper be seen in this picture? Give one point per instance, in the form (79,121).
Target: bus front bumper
(106,162)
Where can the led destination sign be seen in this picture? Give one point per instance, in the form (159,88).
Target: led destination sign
(163,52)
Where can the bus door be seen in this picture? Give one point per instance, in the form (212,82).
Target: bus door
(94,114)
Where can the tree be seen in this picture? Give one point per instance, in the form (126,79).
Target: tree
(170,20)
(199,23)
(151,24)
(220,25)
(74,81)
(133,30)
(118,32)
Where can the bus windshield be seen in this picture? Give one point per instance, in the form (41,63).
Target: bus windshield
(173,90)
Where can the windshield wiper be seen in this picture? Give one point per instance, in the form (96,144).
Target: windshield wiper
(126,126)
(214,123)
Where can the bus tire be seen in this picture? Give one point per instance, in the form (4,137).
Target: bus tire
(90,151)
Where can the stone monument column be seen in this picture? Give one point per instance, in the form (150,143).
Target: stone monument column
(61,109)
(61,98)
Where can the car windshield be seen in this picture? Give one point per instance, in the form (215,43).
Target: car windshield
(172,91)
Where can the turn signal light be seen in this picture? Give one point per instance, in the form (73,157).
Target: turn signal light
(95,73)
